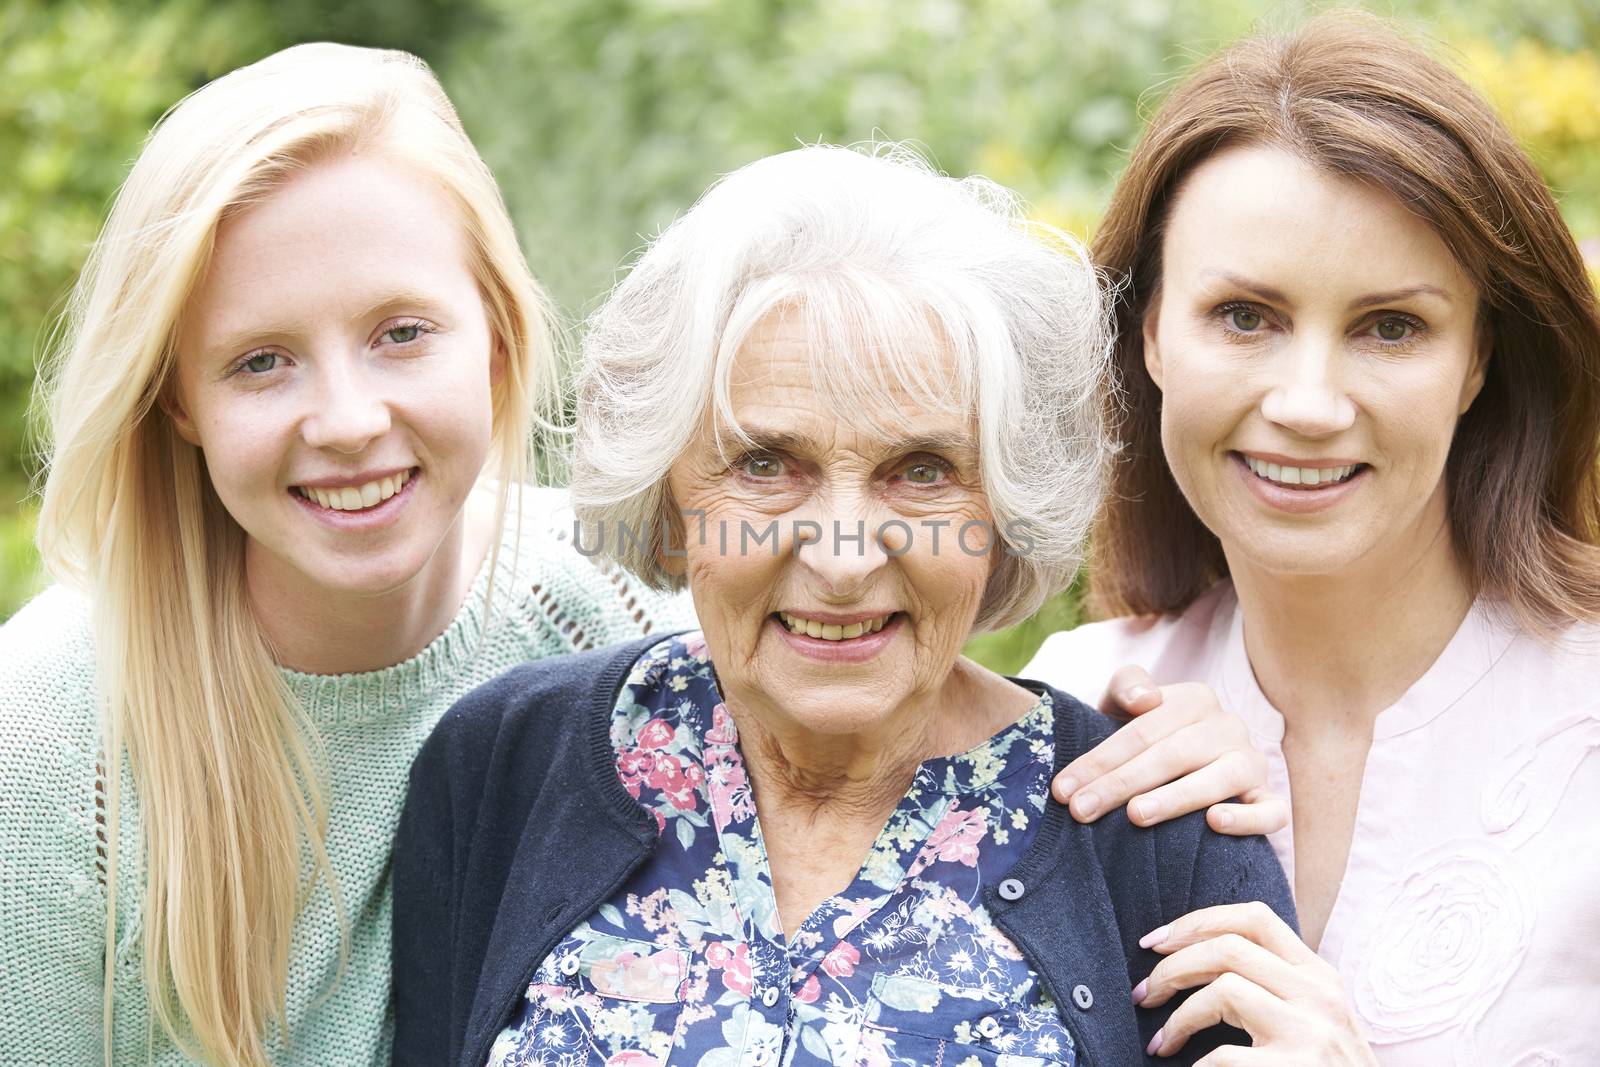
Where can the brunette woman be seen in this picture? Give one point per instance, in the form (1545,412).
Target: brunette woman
(1357,497)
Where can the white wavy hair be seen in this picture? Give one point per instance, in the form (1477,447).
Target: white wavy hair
(874,252)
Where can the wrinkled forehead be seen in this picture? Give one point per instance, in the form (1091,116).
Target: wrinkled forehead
(886,369)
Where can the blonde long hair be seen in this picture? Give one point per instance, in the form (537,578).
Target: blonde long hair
(226,764)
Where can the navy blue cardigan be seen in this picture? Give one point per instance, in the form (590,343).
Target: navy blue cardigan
(516,828)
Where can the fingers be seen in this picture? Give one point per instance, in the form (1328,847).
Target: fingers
(1180,707)
(1230,774)
(1252,920)
(1234,1056)
(1206,961)
(1130,692)
(1231,999)
(1261,811)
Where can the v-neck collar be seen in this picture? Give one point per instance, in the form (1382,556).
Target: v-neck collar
(1471,653)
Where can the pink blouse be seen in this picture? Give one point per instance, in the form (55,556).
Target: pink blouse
(1467,927)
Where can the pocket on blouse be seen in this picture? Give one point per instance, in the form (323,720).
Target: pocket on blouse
(596,998)
(915,1022)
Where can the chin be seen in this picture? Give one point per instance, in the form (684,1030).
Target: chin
(1298,557)
(844,709)
(365,576)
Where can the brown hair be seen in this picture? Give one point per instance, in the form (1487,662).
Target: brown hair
(1350,95)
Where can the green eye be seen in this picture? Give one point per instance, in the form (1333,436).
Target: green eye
(1244,320)
(1393,329)
(401,335)
(261,362)
(762,467)
(923,474)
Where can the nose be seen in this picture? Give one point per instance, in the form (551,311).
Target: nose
(840,547)
(1307,397)
(349,413)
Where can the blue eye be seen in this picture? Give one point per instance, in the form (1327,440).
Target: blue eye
(260,363)
(405,333)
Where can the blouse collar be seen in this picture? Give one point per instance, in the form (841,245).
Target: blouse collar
(1479,642)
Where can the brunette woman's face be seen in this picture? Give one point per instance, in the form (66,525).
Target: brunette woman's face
(1314,344)
(334,367)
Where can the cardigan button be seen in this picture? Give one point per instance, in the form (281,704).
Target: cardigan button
(1082,997)
(989,1027)
(570,964)
(1011,889)
(769,995)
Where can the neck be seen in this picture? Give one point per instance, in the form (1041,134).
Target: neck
(863,775)
(317,631)
(1340,648)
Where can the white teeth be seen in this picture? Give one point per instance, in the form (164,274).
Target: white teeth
(357,497)
(828,631)
(1272,472)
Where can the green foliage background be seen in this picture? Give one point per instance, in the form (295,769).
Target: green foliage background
(604,118)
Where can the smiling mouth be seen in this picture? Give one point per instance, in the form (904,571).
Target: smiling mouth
(355,497)
(1301,477)
(828,631)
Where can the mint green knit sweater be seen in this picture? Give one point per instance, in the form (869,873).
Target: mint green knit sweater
(52,890)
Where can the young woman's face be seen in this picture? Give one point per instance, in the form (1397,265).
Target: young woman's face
(1315,344)
(334,367)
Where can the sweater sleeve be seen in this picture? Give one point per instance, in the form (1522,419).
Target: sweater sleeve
(441,809)
(52,894)
(1225,870)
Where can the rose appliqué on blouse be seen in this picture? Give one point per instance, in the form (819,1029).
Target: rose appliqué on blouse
(1455,929)
(1459,921)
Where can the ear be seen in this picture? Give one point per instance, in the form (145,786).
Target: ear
(497,363)
(672,552)
(171,402)
(1476,374)
(1148,331)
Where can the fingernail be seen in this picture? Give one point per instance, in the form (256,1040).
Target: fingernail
(1067,786)
(1155,937)
(1155,1043)
(1143,810)
(1139,990)
(1134,692)
(1224,819)
(1088,805)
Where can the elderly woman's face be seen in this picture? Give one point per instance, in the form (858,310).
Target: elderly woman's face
(830,632)
(1315,343)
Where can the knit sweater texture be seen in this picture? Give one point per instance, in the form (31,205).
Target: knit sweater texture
(547,598)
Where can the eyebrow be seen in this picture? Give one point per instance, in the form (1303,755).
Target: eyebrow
(773,440)
(1276,296)
(1394,296)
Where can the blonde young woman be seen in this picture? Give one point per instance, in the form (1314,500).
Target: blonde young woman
(303,339)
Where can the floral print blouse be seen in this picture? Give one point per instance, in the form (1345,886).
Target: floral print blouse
(687,962)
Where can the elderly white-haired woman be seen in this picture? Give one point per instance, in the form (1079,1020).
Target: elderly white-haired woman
(853,404)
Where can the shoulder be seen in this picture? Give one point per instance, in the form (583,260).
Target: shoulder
(52,909)
(47,678)
(536,710)
(1160,872)
(575,600)
(50,632)
(1560,673)
(1172,648)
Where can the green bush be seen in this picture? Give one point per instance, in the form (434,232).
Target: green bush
(604,118)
